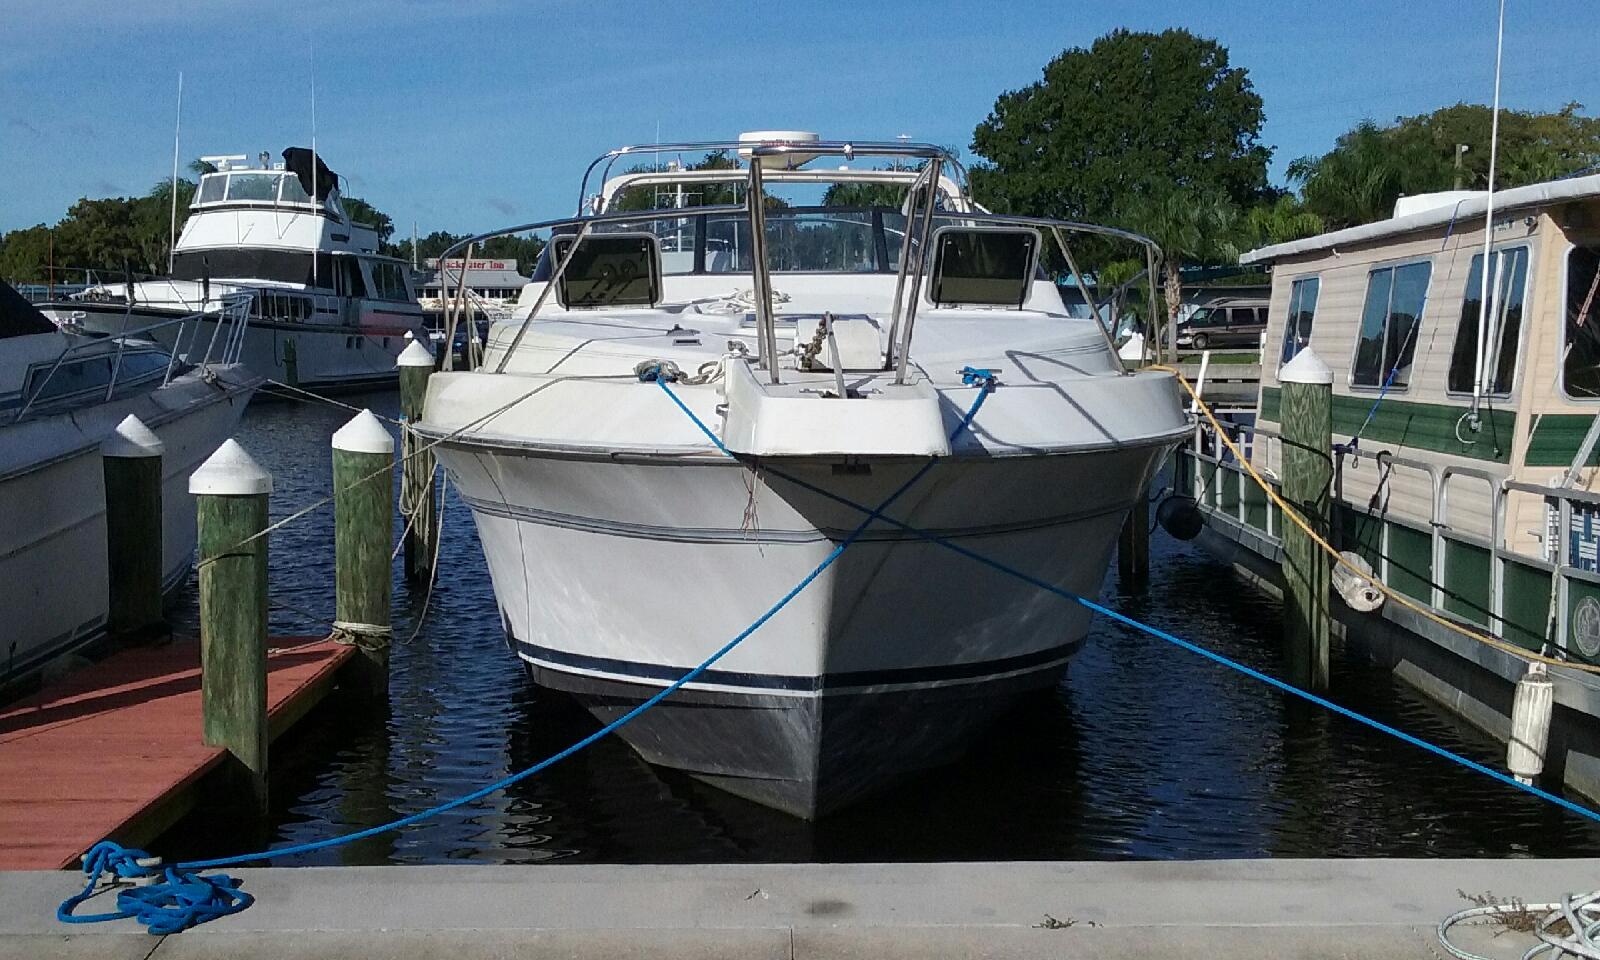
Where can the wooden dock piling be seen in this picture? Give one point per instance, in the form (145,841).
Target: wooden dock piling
(416,473)
(363,506)
(131,459)
(1307,473)
(231,505)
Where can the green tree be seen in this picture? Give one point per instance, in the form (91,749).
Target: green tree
(25,255)
(360,211)
(702,195)
(1279,221)
(1371,166)
(1130,118)
(864,195)
(1188,225)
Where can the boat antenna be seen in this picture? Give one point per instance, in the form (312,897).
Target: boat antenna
(1488,228)
(315,160)
(172,226)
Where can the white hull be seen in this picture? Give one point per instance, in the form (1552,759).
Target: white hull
(616,578)
(52,511)
(312,356)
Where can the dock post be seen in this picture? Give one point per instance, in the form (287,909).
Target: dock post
(418,496)
(1133,546)
(231,508)
(131,461)
(1307,475)
(363,535)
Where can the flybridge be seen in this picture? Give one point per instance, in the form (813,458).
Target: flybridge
(301,179)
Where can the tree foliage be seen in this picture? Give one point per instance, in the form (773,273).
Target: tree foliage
(1135,115)
(1371,166)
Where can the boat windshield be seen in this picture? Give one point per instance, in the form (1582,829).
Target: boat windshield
(251,186)
(799,240)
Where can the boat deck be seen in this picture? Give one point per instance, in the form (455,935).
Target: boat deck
(114,750)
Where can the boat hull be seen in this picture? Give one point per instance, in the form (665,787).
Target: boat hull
(52,512)
(323,358)
(617,576)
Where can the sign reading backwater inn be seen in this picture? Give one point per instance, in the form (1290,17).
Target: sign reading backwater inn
(455,263)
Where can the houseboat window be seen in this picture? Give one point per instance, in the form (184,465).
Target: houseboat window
(1581,371)
(253,186)
(212,186)
(1302,311)
(1508,277)
(254,263)
(1389,322)
(350,282)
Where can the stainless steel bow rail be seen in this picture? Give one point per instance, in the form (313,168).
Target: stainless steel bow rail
(232,311)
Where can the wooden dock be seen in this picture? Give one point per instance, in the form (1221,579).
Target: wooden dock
(114,750)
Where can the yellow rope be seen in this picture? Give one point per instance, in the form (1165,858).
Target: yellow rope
(1403,600)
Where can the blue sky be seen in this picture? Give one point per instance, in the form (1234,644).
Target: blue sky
(474,114)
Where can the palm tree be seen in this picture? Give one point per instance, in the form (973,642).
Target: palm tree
(1280,221)
(1189,226)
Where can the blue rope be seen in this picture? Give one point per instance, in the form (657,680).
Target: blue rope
(184,898)
(1177,641)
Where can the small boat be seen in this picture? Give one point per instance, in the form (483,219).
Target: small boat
(61,395)
(828,355)
(328,312)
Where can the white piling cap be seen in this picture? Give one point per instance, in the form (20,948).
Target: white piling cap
(132,440)
(415,355)
(230,472)
(363,434)
(1306,367)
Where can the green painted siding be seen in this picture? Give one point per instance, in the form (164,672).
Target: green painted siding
(1410,562)
(1255,504)
(1466,581)
(1228,492)
(1576,591)
(1424,426)
(1556,439)
(1527,604)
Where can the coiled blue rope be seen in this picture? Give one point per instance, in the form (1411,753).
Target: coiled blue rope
(183,898)
(1164,635)
(179,901)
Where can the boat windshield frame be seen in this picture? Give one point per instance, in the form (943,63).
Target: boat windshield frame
(920,210)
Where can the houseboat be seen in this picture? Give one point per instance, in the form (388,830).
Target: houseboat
(1463,339)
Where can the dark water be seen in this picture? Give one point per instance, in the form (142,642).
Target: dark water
(1143,752)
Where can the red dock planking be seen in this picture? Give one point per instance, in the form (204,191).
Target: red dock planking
(114,749)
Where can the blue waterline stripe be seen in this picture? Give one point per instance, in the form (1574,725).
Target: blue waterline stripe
(815,684)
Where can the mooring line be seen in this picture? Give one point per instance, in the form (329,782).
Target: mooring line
(1162,634)
(184,898)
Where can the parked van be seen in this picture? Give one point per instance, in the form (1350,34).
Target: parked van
(1224,323)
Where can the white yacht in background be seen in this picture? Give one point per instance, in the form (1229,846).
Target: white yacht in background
(328,311)
(833,362)
(61,395)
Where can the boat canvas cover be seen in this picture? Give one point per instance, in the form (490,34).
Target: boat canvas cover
(18,317)
(299,161)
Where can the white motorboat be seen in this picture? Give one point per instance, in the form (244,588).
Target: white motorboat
(61,395)
(329,312)
(826,364)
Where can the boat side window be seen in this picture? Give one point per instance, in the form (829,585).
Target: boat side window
(1302,313)
(72,377)
(292,191)
(389,281)
(982,265)
(1387,342)
(212,186)
(1580,371)
(1508,281)
(349,277)
(610,270)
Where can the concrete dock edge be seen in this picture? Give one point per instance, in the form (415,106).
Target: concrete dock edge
(1237,908)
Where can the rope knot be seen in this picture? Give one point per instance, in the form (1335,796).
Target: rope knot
(652,371)
(980,376)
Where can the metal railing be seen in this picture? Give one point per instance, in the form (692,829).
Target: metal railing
(233,312)
(913,260)
(1530,600)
